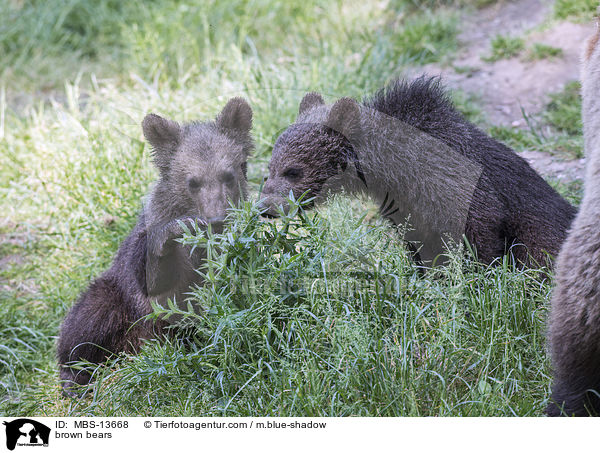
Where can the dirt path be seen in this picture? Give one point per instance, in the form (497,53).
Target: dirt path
(506,86)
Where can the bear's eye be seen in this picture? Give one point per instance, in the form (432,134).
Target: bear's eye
(292,173)
(227,177)
(194,183)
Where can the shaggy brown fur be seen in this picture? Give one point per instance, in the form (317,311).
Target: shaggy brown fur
(202,168)
(574,325)
(410,150)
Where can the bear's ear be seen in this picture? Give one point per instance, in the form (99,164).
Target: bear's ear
(344,117)
(164,136)
(236,116)
(309,101)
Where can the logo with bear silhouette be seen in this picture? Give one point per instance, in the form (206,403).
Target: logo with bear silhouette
(26,432)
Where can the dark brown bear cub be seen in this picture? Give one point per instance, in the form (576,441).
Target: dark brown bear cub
(202,168)
(415,155)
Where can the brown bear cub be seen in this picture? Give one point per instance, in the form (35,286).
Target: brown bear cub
(202,169)
(574,324)
(411,151)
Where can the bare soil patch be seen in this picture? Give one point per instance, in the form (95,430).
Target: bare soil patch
(509,87)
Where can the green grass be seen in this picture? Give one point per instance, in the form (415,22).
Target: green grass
(429,4)
(427,38)
(45,42)
(570,190)
(322,316)
(540,137)
(564,110)
(516,138)
(579,9)
(541,51)
(504,47)
(469,105)
(78,77)
(558,130)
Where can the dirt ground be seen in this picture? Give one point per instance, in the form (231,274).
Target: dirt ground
(506,86)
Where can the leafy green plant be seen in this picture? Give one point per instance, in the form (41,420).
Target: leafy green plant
(315,316)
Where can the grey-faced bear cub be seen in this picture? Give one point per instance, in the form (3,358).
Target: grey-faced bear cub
(202,168)
(411,151)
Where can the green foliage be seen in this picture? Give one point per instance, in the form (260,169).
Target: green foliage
(505,47)
(557,130)
(35,34)
(564,110)
(314,314)
(479,3)
(319,316)
(432,4)
(581,9)
(570,190)
(540,137)
(427,38)
(517,139)
(175,41)
(541,51)
(468,105)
